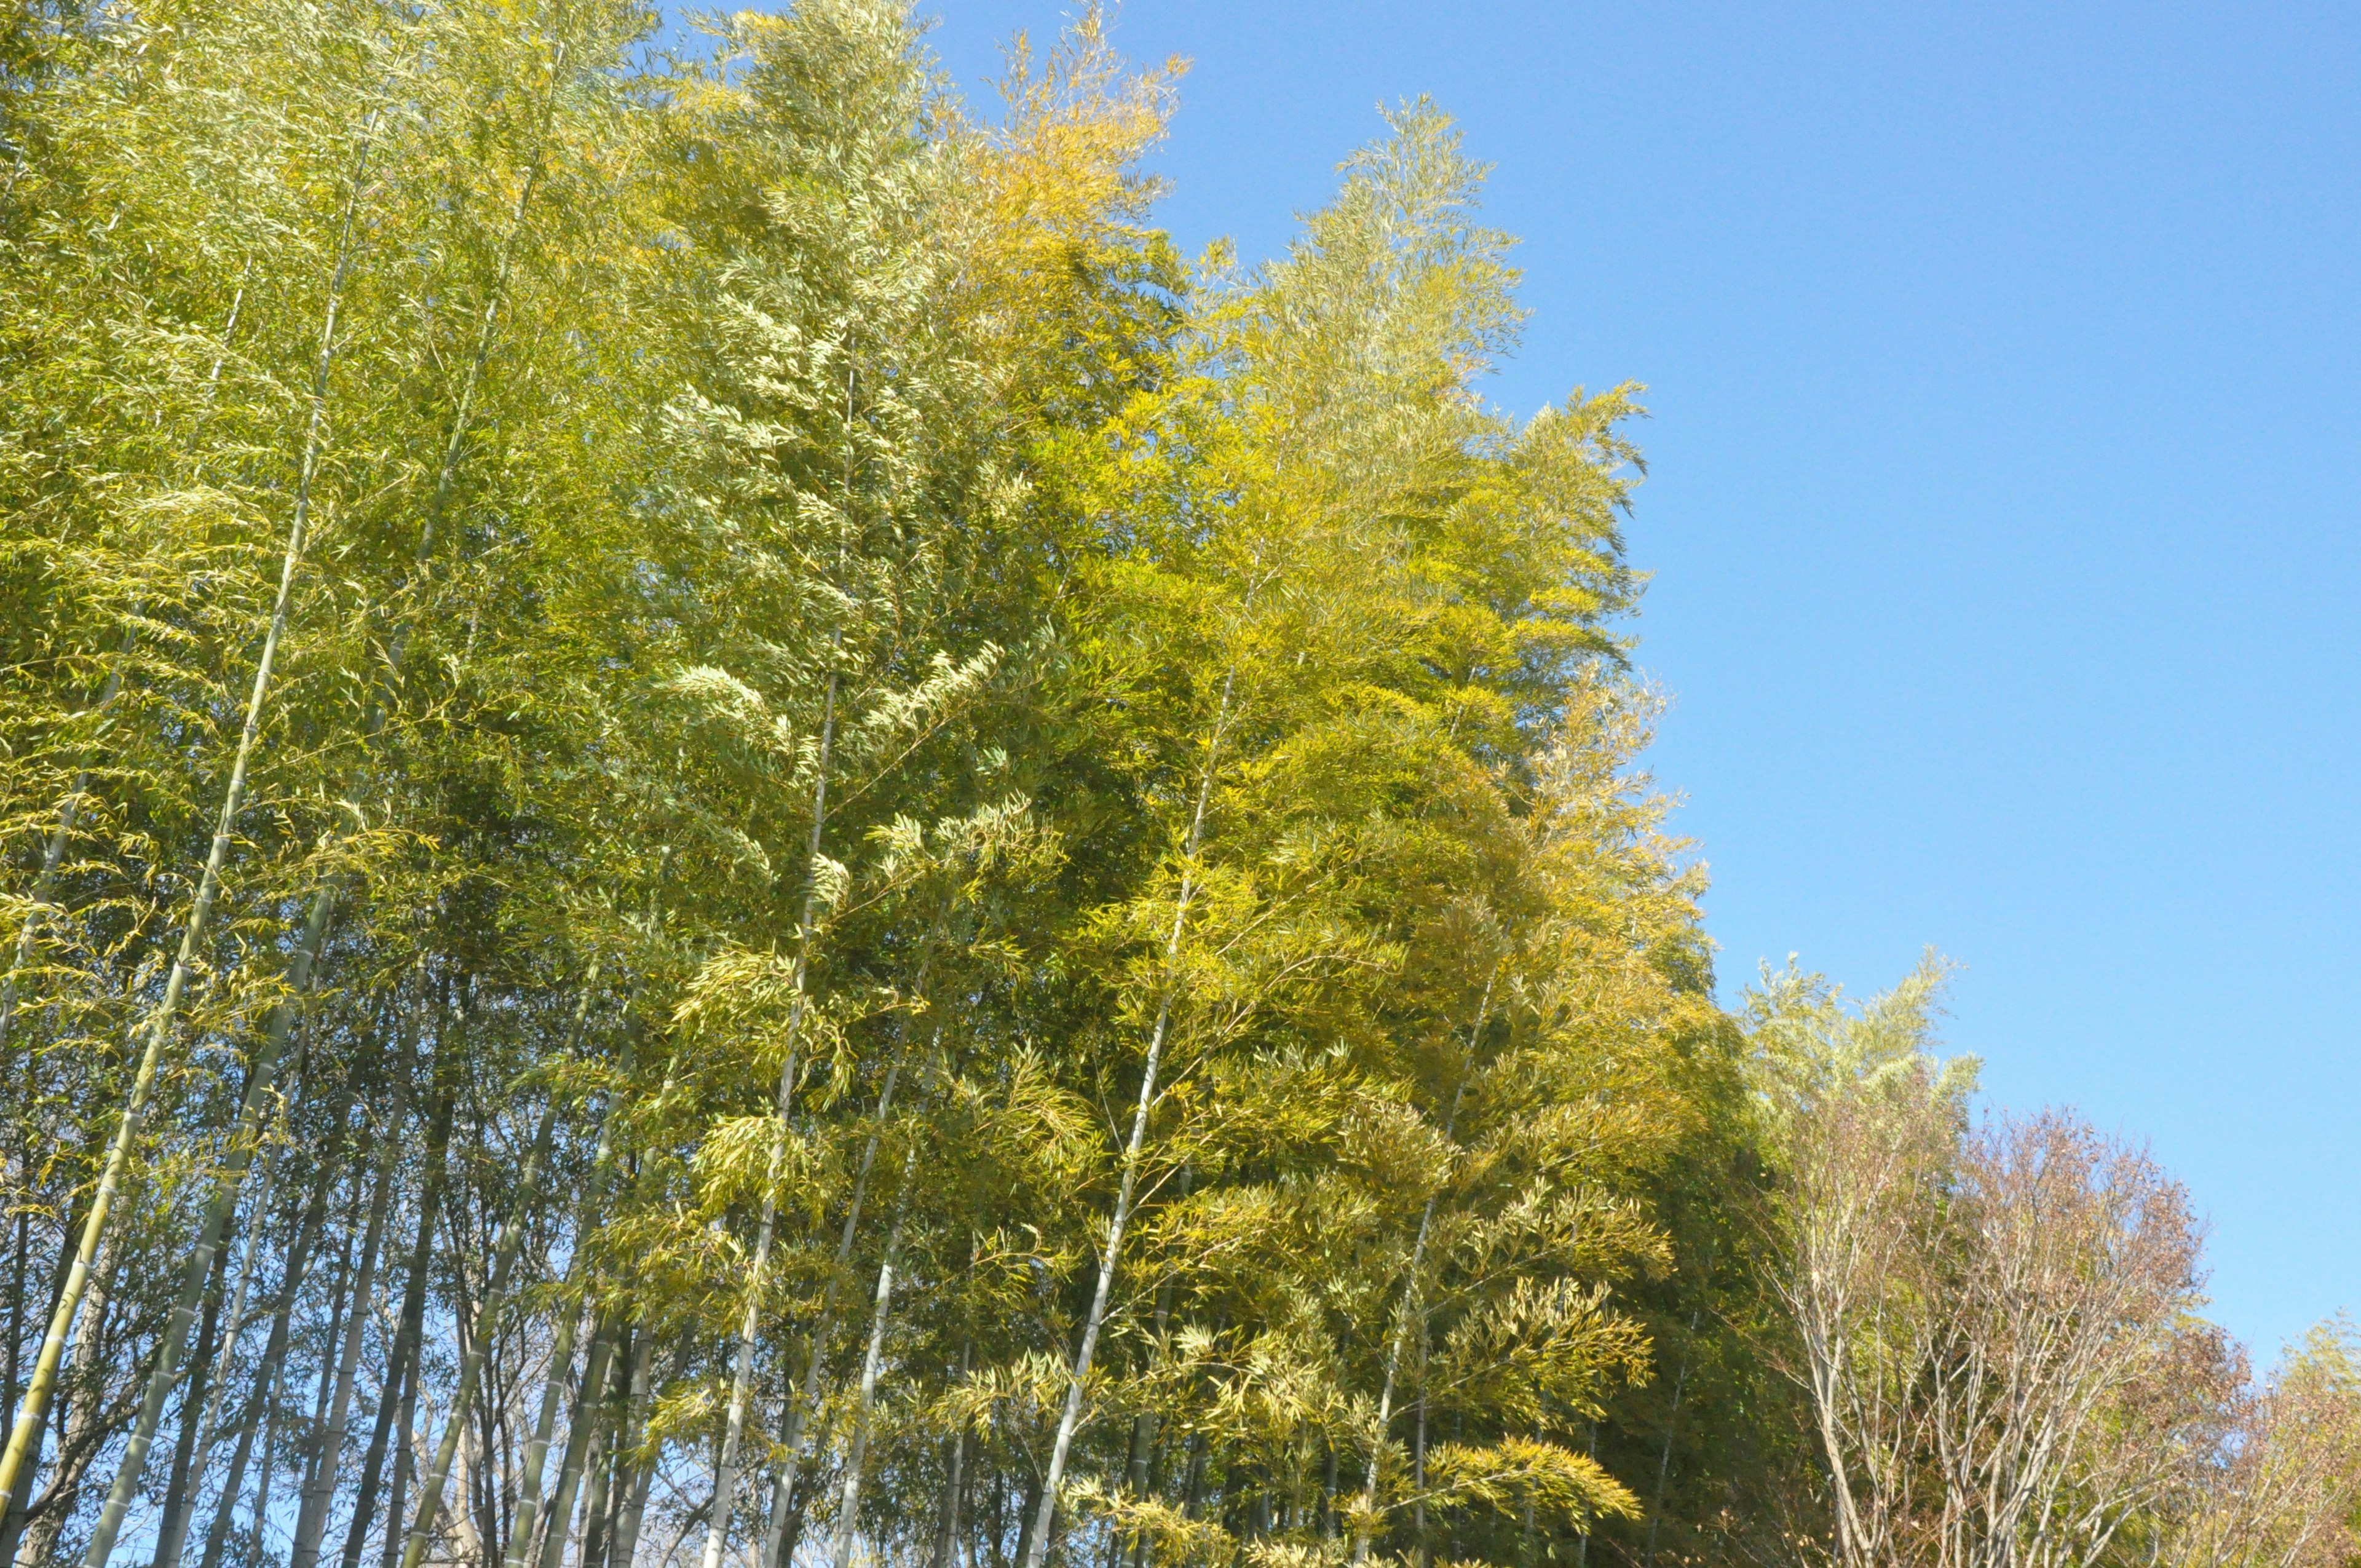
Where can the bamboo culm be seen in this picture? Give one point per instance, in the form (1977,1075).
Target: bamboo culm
(311,1523)
(577,1445)
(635,1418)
(1069,1418)
(172,1540)
(221,1203)
(560,1355)
(801,1401)
(570,1470)
(601,1461)
(177,1500)
(24,1440)
(847,1508)
(274,1352)
(1363,1527)
(471,1368)
(742,1382)
(401,1358)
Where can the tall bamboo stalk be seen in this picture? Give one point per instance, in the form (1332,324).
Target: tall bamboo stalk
(636,1423)
(178,1503)
(311,1523)
(402,1357)
(1071,1417)
(601,1462)
(560,1355)
(742,1382)
(24,1441)
(471,1369)
(274,1352)
(577,1444)
(471,1366)
(800,1403)
(856,1454)
(221,1204)
(1365,1526)
(947,1522)
(340,1300)
(172,1539)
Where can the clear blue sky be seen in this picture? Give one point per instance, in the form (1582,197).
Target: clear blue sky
(2004,361)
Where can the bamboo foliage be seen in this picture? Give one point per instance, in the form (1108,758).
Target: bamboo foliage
(733,831)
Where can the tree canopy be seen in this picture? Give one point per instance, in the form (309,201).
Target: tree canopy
(734,831)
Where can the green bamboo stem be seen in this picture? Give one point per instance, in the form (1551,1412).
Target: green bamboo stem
(24,1441)
(1069,1418)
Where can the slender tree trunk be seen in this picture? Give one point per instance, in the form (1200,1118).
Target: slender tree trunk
(848,1512)
(536,1449)
(19,1258)
(1193,1500)
(1418,1553)
(741,1380)
(471,1368)
(561,1357)
(339,1303)
(402,1361)
(472,1521)
(1030,1516)
(642,1473)
(1410,1311)
(171,1544)
(405,1458)
(1672,1425)
(598,1506)
(587,1406)
(80,1413)
(1071,1418)
(260,1517)
(1582,1543)
(312,1524)
(221,1203)
(400,1398)
(492,1473)
(954,1477)
(299,1256)
(801,1402)
(177,1502)
(1145,1447)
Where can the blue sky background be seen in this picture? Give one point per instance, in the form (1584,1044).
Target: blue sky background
(2003,362)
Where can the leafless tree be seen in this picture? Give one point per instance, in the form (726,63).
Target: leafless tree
(1996,1327)
(2073,1392)
(1862,1209)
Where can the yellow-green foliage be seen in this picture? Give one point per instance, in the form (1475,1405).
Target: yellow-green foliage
(804,579)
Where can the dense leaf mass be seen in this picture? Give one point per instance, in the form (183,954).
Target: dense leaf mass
(734,832)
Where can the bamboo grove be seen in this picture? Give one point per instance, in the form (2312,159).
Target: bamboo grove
(736,834)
